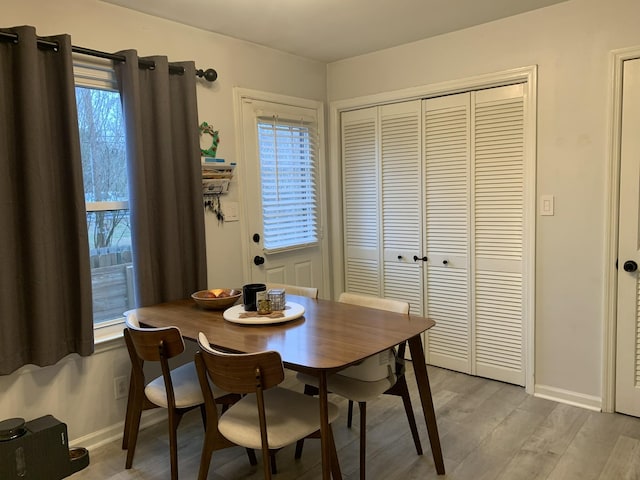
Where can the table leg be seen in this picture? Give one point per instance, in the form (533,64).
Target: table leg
(325,432)
(422,379)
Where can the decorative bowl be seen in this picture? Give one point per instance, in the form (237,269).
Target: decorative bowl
(217,298)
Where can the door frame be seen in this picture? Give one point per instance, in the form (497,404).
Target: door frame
(526,74)
(616,62)
(239,95)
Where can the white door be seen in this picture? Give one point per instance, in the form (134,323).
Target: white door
(447,157)
(382,184)
(628,323)
(401,197)
(475,227)
(499,228)
(283,185)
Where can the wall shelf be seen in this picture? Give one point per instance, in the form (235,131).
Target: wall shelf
(216,176)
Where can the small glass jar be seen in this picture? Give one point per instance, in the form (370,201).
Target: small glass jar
(277,297)
(263,303)
(264,307)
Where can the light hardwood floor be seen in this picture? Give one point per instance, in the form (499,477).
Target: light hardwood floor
(488,430)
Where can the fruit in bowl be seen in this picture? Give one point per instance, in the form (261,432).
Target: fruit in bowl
(217,298)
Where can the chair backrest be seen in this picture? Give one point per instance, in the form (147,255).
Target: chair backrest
(154,345)
(310,292)
(241,372)
(150,343)
(370,301)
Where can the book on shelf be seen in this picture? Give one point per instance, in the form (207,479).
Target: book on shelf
(217,168)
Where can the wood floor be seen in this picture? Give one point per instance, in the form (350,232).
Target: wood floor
(488,430)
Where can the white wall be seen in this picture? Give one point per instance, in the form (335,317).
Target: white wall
(78,391)
(570,42)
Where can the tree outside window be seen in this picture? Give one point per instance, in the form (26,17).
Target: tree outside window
(102,143)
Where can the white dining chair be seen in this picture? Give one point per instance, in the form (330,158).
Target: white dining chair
(267,417)
(379,374)
(177,390)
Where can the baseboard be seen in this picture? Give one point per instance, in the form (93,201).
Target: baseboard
(566,396)
(114,432)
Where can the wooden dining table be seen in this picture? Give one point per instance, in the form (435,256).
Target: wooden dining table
(328,337)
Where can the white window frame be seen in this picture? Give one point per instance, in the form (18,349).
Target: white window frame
(310,124)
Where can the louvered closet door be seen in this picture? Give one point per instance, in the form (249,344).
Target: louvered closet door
(447,198)
(361,204)
(474,230)
(401,160)
(498,199)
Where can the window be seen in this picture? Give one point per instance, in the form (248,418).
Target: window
(102,142)
(287,150)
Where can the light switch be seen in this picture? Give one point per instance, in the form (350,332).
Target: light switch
(546,204)
(230,210)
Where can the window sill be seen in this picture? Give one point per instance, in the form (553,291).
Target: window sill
(108,333)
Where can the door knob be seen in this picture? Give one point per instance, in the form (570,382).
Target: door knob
(445,262)
(630,266)
(258,260)
(416,258)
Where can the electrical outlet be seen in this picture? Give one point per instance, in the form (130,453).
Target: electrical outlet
(120,387)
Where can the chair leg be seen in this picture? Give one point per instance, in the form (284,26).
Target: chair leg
(207,451)
(308,390)
(134,425)
(350,414)
(274,467)
(175,416)
(299,445)
(128,415)
(252,457)
(363,437)
(174,420)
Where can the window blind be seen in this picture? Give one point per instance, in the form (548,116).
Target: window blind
(288,153)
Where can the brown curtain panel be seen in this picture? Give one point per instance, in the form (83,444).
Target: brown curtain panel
(165,185)
(45,278)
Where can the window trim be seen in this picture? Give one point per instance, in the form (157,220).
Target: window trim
(309,125)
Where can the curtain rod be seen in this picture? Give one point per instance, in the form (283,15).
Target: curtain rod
(209,74)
